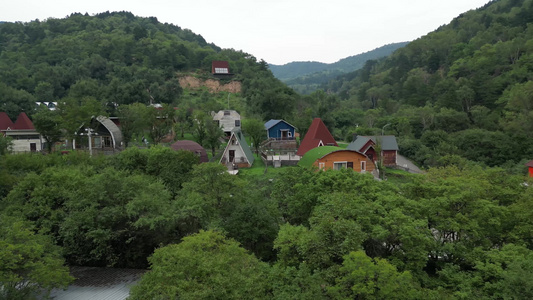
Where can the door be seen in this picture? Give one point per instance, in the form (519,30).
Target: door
(284,134)
(231,155)
(33,147)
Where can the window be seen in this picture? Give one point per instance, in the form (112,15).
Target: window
(237,123)
(363,166)
(221,70)
(321,166)
(226,112)
(349,165)
(339,165)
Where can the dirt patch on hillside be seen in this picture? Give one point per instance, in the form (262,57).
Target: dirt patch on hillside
(213,85)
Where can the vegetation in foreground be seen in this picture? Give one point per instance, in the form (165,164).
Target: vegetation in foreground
(461,231)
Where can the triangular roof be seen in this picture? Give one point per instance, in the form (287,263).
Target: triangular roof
(5,121)
(530,164)
(245,148)
(317,133)
(237,134)
(388,142)
(272,123)
(23,122)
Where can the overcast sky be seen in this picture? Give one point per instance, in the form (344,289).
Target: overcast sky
(278,31)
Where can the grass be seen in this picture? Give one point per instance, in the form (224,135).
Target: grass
(312,155)
(258,168)
(397,176)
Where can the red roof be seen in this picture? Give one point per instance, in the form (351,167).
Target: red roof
(5,121)
(530,164)
(23,122)
(220,67)
(193,147)
(317,135)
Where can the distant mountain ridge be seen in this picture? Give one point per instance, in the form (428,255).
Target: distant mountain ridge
(305,77)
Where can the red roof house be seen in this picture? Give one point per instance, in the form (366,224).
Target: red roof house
(220,67)
(5,121)
(23,122)
(25,137)
(317,135)
(530,165)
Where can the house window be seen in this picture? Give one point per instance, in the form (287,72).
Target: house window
(363,166)
(226,113)
(321,166)
(340,165)
(237,123)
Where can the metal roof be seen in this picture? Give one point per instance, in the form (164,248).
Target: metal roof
(99,283)
(388,142)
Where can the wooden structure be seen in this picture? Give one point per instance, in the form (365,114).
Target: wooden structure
(345,159)
(280,130)
(368,145)
(318,135)
(228,120)
(220,69)
(237,153)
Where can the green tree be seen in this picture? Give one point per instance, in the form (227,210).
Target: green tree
(48,124)
(366,278)
(133,120)
(5,144)
(255,129)
(160,122)
(29,262)
(213,135)
(203,266)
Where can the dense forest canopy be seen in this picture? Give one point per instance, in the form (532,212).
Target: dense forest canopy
(118,58)
(464,89)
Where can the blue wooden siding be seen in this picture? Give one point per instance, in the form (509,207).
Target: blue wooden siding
(275,131)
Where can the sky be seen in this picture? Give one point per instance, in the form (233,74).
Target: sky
(278,31)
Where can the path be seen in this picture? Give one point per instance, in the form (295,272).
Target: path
(407,165)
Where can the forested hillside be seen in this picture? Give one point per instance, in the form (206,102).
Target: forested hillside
(459,100)
(306,77)
(117,58)
(464,89)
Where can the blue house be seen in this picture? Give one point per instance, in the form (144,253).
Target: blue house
(279,129)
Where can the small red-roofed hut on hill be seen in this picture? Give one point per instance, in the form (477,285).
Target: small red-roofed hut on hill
(318,135)
(530,166)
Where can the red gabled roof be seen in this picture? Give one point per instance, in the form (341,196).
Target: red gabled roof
(317,133)
(220,67)
(23,122)
(5,121)
(530,164)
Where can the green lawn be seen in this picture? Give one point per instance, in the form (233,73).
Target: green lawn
(258,168)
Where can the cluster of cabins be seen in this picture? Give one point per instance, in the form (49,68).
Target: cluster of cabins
(318,148)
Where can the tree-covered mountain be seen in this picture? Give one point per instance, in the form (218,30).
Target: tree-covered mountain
(306,77)
(464,89)
(118,58)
